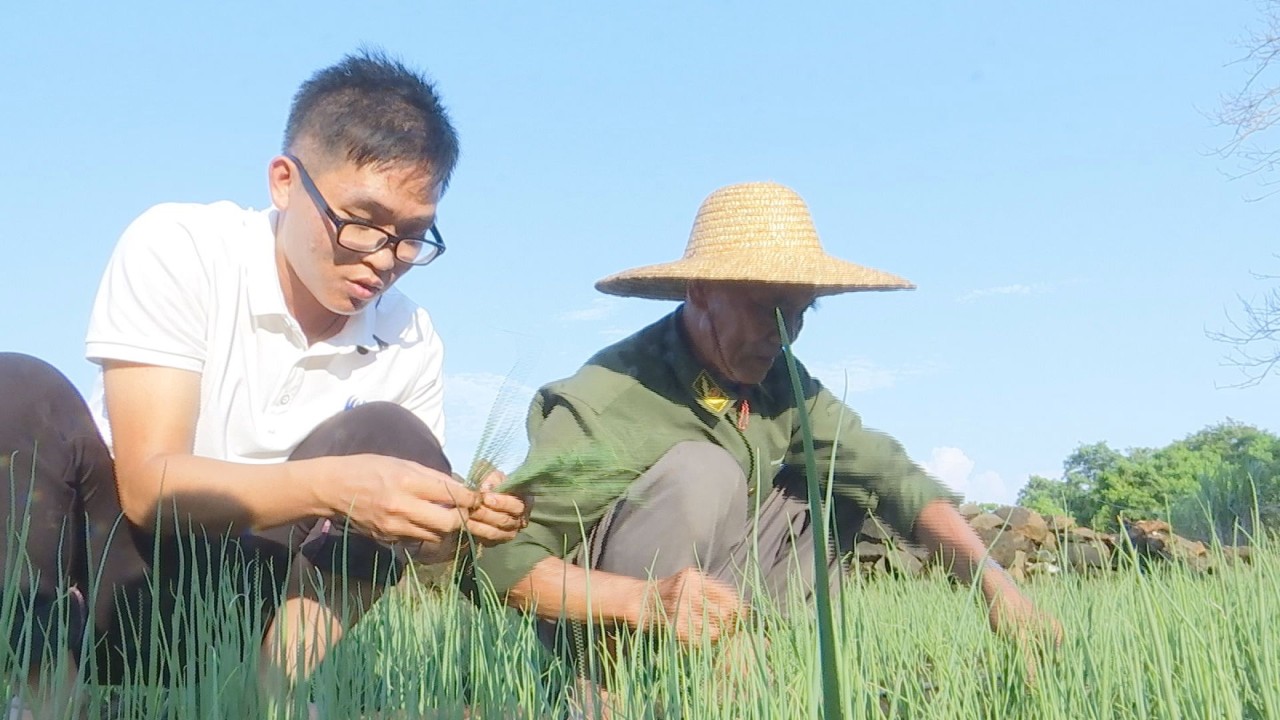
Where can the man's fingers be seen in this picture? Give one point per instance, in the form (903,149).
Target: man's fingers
(488,534)
(442,489)
(422,518)
(724,595)
(500,520)
(503,503)
(492,481)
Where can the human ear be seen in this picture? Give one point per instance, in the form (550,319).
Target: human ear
(280,179)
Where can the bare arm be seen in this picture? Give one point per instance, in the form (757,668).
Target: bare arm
(689,601)
(153,413)
(555,588)
(942,531)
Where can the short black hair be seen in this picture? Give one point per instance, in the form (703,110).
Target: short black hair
(372,110)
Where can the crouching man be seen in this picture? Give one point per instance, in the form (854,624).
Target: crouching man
(700,407)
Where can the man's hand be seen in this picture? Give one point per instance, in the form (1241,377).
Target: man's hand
(499,516)
(1034,631)
(393,500)
(1010,613)
(692,604)
(1013,616)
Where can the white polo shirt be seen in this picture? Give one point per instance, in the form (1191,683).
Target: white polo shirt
(195,287)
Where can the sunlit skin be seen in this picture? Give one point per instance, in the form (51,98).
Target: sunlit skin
(323,282)
(734,329)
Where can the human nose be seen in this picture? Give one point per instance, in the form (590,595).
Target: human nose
(383,259)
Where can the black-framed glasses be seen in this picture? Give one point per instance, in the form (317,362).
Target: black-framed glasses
(364,237)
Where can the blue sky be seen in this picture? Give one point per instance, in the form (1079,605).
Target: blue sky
(1043,171)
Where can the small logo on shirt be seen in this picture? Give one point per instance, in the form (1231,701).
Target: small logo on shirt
(352,402)
(709,394)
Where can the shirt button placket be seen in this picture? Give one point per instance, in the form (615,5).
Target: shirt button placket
(290,387)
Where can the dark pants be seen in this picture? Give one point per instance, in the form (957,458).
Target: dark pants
(71,560)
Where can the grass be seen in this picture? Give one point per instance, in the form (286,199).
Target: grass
(1160,643)
(831,697)
(1165,643)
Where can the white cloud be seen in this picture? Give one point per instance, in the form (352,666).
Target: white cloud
(950,465)
(955,469)
(1017,289)
(600,309)
(476,401)
(861,375)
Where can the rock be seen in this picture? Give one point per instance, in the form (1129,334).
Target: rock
(904,563)
(1060,523)
(1018,568)
(1024,521)
(870,551)
(1192,553)
(922,554)
(1241,555)
(1045,556)
(1154,539)
(1082,533)
(1183,547)
(986,521)
(1039,568)
(873,529)
(1007,545)
(968,511)
(1086,556)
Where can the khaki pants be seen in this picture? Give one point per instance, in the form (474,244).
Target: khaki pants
(692,509)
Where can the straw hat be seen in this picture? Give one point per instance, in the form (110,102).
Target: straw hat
(754,232)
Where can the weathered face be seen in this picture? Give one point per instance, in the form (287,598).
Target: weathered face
(737,330)
(320,278)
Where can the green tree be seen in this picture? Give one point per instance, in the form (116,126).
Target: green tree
(1051,497)
(1241,489)
(1147,483)
(1085,471)
(1210,482)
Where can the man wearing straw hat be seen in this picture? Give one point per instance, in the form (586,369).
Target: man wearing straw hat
(699,417)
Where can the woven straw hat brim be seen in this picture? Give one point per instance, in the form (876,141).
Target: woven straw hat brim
(752,232)
(827,275)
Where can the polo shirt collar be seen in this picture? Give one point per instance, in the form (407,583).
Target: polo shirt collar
(266,298)
(356,333)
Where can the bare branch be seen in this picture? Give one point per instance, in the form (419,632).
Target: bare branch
(1255,337)
(1255,110)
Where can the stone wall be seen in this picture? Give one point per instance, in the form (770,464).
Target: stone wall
(1028,545)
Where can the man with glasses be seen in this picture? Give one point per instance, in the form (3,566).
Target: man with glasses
(268,406)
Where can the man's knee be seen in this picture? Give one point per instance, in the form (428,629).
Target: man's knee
(25,379)
(692,475)
(26,366)
(380,428)
(369,421)
(688,510)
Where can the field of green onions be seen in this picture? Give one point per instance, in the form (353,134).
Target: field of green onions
(1164,643)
